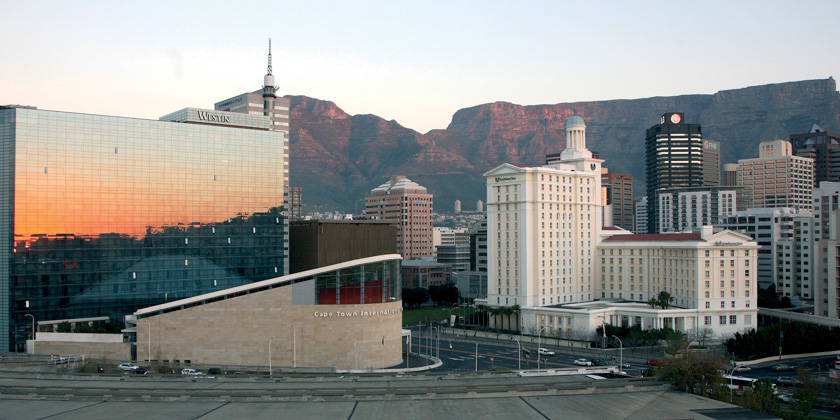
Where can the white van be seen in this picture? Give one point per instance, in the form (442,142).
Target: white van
(191,372)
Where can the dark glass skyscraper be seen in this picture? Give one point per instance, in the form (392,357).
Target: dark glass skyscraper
(673,158)
(104,215)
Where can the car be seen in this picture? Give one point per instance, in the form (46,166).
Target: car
(545,352)
(655,362)
(127,367)
(788,381)
(598,362)
(191,372)
(583,362)
(214,371)
(786,397)
(139,371)
(783,368)
(741,368)
(621,365)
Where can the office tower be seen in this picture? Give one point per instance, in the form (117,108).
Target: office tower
(641,214)
(796,258)
(777,178)
(619,195)
(773,230)
(824,148)
(479,206)
(826,229)
(408,204)
(730,174)
(457,206)
(105,215)
(265,102)
(711,163)
(673,158)
(543,224)
(295,203)
(689,209)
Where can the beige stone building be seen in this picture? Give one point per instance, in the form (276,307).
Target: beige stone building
(777,178)
(345,316)
(408,204)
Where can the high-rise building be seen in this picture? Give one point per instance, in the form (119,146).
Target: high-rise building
(824,148)
(457,206)
(479,206)
(408,204)
(771,228)
(730,174)
(295,203)
(689,209)
(104,215)
(543,224)
(265,102)
(826,229)
(640,211)
(673,158)
(711,163)
(619,195)
(777,178)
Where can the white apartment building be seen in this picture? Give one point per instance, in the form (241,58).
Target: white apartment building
(777,178)
(826,209)
(640,213)
(773,230)
(691,208)
(543,224)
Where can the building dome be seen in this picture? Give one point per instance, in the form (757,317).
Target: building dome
(575,120)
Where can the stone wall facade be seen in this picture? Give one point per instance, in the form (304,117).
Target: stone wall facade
(115,352)
(238,331)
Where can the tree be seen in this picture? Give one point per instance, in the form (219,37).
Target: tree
(805,395)
(653,302)
(695,373)
(414,297)
(664,300)
(761,399)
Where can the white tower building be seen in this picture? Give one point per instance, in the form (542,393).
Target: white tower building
(543,226)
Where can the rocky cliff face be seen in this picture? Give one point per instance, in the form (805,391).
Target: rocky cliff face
(337,159)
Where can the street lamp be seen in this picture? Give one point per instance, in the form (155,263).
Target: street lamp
(520,351)
(621,353)
(269,355)
(539,335)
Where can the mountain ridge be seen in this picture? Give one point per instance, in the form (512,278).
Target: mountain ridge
(337,158)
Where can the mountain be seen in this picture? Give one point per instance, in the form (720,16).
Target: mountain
(337,158)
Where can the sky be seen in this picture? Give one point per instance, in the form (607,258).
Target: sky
(413,62)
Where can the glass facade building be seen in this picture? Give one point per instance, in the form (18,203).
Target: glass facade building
(104,215)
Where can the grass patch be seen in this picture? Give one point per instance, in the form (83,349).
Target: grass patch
(427,314)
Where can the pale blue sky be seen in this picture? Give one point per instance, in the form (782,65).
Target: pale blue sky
(414,62)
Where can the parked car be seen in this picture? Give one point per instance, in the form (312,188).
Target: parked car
(788,381)
(583,362)
(545,352)
(598,362)
(127,367)
(783,368)
(656,362)
(741,368)
(621,365)
(192,372)
(214,371)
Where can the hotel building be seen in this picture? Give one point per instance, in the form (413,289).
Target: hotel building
(105,215)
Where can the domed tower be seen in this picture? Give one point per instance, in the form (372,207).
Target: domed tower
(575,140)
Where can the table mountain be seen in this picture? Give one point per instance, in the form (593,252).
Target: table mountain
(338,158)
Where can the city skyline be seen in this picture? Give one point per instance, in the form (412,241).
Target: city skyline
(416,64)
